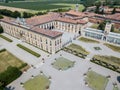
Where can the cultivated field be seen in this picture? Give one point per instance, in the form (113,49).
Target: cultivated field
(42,5)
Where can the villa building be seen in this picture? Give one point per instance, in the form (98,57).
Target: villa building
(40,30)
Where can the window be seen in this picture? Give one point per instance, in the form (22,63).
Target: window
(40,39)
(46,41)
(55,43)
(50,43)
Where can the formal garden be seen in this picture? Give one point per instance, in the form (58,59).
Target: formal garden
(10,67)
(110,62)
(62,63)
(40,82)
(95,80)
(28,50)
(76,50)
(113,47)
(87,40)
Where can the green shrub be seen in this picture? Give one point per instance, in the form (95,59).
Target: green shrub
(28,50)
(7,39)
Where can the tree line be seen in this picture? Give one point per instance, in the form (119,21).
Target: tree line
(16,14)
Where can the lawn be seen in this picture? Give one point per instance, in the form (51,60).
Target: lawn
(39,82)
(28,50)
(96,81)
(88,40)
(109,59)
(7,59)
(95,26)
(44,5)
(113,47)
(78,49)
(6,38)
(62,63)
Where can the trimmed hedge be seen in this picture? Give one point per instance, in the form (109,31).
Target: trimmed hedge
(74,52)
(106,65)
(28,50)
(7,39)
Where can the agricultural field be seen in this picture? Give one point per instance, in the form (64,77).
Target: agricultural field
(44,5)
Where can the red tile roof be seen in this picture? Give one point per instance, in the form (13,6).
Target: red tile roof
(47,32)
(36,29)
(69,20)
(77,14)
(36,20)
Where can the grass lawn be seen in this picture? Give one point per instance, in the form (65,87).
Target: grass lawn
(44,5)
(109,59)
(113,47)
(116,31)
(4,37)
(78,49)
(115,88)
(7,59)
(96,81)
(88,40)
(62,63)
(39,82)
(95,26)
(28,50)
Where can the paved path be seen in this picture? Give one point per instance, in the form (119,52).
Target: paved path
(71,79)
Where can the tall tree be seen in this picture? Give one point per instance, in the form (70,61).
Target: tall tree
(114,11)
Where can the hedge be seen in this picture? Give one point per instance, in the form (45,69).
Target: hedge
(28,50)
(111,67)
(7,39)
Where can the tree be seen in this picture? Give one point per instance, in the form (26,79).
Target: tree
(97,9)
(6,1)
(1,17)
(102,25)
(1,29)
(114,11)
(16,14)
(112,28)
(98,3)
(27,15)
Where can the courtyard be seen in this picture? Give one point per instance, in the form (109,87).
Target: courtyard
(73,77)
